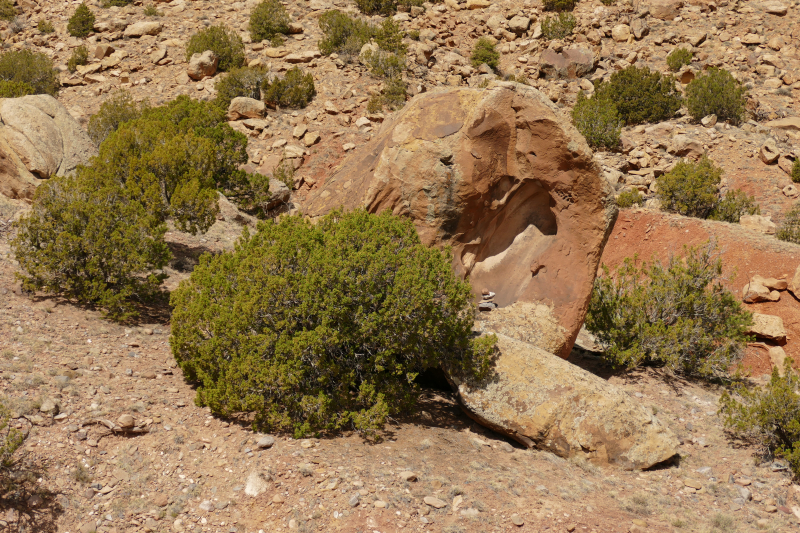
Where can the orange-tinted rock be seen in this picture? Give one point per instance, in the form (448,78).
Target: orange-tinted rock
(502,177)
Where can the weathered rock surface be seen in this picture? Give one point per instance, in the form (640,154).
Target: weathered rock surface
(571,63)
(501,177)
(38,139)
(768,327)
(541,400)
(243,107)
(202,65)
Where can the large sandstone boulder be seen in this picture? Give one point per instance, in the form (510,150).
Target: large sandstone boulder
(544,401)
(38,139)
(502,177)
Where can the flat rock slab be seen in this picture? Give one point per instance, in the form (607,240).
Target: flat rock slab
(542,401)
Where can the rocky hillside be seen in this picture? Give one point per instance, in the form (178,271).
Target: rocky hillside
(116,441)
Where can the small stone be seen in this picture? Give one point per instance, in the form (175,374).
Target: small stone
(161,500)
(517,520)
(380,504)
(206,505)
(770,509)
(434,502)
(354,500)
(693,483)
(348,146)
(125,421)
(278,499)
(266,441)
(408,476)
(639,522)
(306,444)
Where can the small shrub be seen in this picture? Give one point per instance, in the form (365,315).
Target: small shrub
(641,95)
(284,173)
(152,11)
(268,20)
(517,78)
(789,230)
(11,440)
(716,92)
(598,121)
(15,89)
(176,157)
(677,315)
(87,240)
(81,22)
(325,360)
(225,43)
(679,58)
(690,189)
(384,7)
(375,104)
(768,417)
(243,81)
(629,198)
(32,68)
(560,5)
(114,112)
(7,10)
(796,170)
(558,26)
(733,206)
(45,27)
(485,52)
(294,90)
(116,3)
(385,65)
(80,56)
(389,37)
(343,34)
(413,35)
(394,93)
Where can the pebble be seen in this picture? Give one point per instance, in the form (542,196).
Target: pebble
(278,499)
(380,504)
(517,520)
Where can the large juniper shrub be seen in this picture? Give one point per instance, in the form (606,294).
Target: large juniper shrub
(343,34)
(81,22)
(325,326)
(224,42)
(484,52)
(32,68)
(675,314)
(716,92)
(88,240)
(244,81)
(692,189)
(97,237)
(268,21)
(114,111)
(642,95)
(295,89)
(768,417)
(598,121)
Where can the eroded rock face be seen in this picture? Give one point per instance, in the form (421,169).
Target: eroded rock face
(541,400)
(38,139)
(503,178)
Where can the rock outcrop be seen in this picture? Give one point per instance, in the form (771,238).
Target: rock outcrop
(501,177)
(38,139)
(541,400)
